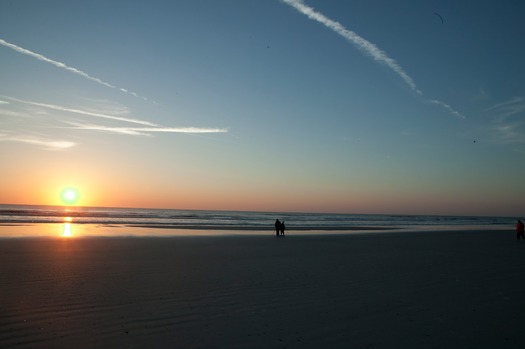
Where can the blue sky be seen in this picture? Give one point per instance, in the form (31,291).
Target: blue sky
(329,106)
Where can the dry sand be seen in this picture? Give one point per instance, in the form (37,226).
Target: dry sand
(390,290)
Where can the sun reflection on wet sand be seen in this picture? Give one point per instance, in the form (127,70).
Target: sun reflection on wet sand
(67,232)
(75,230)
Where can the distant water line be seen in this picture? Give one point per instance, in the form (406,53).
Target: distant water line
(236,220)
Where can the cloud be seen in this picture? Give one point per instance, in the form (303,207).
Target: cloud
(146,128)
(82,112)
(364,45)
(506,109)
(482,94)
(12,113)
(511,101)
(507,128)
(104,106)
(510,133)
(46,143)
(101,128)
(448,107)
(66,67)
(3,102)
(361,43)
(145,131)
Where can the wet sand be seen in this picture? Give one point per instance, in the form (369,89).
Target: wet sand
(385,290)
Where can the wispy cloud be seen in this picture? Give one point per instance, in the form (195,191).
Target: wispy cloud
(482,94)
(105,106)
(61,65)
(510,133)
(447,107)
(43,142)
(512,101)
(146,131)
(146,128)
(12,113)
(361,43)
(507,127)
(79,111)
(364,45)
(102,128)
(506,109)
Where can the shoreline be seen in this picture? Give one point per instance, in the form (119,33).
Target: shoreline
(76,230)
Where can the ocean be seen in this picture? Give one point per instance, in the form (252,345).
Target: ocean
(171,222)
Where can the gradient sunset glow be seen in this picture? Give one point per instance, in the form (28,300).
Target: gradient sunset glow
(285,105)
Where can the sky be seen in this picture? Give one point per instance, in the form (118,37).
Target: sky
(358,106)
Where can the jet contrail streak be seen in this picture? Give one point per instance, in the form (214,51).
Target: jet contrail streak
(65,67)
(144,130)
(364,45)
(82,112)
(448,107)
(360,42)
(50,144)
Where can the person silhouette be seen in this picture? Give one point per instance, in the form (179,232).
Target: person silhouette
(520,230)
(282,228)
(277,227)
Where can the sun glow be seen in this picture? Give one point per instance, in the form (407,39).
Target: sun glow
(69,196)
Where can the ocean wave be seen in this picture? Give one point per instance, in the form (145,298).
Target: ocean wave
(194,219)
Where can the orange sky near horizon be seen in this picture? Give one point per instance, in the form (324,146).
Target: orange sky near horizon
(96,190)
(125,184)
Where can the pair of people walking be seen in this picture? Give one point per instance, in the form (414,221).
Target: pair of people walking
(279,228)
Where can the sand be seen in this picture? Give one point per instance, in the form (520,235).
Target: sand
(388,290)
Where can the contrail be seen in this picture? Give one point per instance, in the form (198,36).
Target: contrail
(148,127)
(66,67)
(49,144)
(83,112)
(448,107)
(144,131)
(364,45)
(360,42)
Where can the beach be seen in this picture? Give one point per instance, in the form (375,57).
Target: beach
(448,289)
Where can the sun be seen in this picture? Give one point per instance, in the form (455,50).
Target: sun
(69,196)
